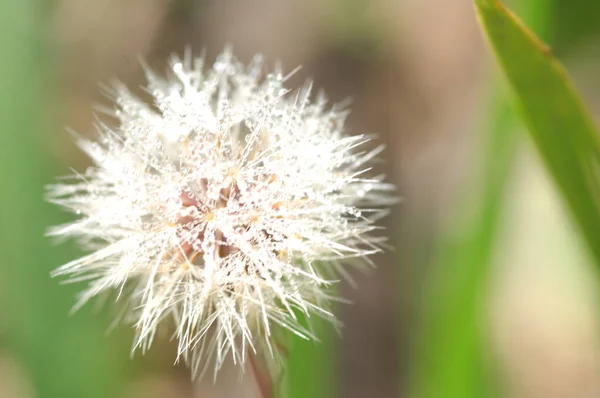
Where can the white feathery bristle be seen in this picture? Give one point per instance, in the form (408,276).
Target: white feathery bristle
(226,207)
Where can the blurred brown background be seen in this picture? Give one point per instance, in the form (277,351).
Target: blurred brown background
(413,70)
(418,73)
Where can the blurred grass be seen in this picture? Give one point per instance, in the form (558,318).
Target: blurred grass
(62,356)
(310,367)
(575,22)
(450,357)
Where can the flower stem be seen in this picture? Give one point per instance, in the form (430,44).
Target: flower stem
(262,380)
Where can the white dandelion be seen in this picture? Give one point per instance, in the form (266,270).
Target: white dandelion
(225,208)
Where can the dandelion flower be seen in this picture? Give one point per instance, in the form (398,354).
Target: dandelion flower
(224,209)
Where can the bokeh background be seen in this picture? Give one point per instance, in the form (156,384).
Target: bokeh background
(480,238)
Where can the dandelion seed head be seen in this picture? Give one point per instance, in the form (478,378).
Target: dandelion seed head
(225,207)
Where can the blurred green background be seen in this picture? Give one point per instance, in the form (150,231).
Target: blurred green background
(490,292)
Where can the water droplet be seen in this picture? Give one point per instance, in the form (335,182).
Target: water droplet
(178,67)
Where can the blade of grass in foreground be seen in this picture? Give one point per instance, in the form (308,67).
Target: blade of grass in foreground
(60,356)
(310,366)
(450,357)
(450,350)
(555,116)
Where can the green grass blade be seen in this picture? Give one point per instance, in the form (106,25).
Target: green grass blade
(556,118)
(449,352)
(310,366)
(62,356)
(450,358)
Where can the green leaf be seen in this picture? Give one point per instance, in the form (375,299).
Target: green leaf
(450,358)
(556,118)
(61,356)
(575,23)
(309,369)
